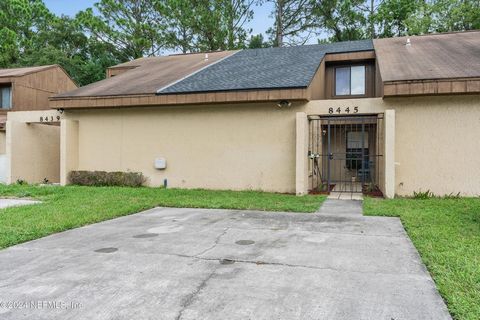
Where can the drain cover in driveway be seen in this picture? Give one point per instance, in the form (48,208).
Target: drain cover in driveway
(245,242)
(146,235)
(106,250)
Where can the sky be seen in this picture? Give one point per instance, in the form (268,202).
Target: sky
(260,23)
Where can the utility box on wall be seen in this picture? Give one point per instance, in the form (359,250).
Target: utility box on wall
(160,163)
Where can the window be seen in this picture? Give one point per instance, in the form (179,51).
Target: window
(5,97)
(350,80)
(356,142)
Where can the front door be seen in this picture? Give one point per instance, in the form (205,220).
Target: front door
(344,153)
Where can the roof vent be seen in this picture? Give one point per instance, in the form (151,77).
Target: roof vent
(408,43)
(206,56)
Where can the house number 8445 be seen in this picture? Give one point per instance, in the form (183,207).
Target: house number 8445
(340,110)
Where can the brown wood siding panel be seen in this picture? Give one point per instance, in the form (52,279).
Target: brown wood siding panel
(431,87)
(173,99)
(378,81)
(316,89)
(459,86)
(32,91)
(350,56)
(444,87)
(473,86)
(389,90)
(112,72)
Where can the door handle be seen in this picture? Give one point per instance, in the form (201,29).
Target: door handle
(330,156)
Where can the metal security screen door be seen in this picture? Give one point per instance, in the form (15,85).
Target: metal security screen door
(345,153)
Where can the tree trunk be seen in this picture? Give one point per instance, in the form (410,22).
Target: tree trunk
(279,18)
(372,23)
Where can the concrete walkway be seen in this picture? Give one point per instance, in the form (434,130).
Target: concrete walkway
(10,202)
(170,263)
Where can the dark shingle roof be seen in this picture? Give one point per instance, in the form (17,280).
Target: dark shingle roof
(268,68)
(146,75)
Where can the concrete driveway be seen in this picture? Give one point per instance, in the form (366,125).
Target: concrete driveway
(170,263)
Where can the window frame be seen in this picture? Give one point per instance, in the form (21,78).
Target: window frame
(2,86)
(349,66)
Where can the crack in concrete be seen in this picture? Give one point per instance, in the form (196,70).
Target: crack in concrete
(191,297)
(288,265)
(257,262)
(215,243)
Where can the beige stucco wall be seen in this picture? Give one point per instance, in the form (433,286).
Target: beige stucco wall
(437,144)
(33,152)
(433,143)
(33,148)
(68,148)
(249,146)
(3,138)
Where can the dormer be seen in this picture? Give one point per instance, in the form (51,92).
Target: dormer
(350,75)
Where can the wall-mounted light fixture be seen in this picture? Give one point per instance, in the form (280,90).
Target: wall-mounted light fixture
(284,104)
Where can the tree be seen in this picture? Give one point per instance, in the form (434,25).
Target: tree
(257,41)
(294,21)
(392,16)
(21,23)
(237,13)
(31,35)
(454,15)
(84,59)
(342,19)
(180,26)
(134,27)
(207,25)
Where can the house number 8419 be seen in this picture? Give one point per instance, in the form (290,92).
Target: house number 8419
(340,110)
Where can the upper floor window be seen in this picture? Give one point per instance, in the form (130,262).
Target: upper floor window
(350,81)
(6,97)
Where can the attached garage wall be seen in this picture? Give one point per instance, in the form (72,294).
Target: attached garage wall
(250,146)
(437,144)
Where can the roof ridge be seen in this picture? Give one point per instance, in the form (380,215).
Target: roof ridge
(432,34)
(159,91)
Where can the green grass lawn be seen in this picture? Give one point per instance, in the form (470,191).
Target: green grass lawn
(446,232)
(69,207)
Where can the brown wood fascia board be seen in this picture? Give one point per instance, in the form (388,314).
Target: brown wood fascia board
(8,80)
(431,87)
(122,68)
(34,71)
(179,99)
(350,56)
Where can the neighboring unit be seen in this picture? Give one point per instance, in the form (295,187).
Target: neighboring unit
(391,115)
(28,89)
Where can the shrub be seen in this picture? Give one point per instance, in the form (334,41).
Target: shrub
(103,178)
